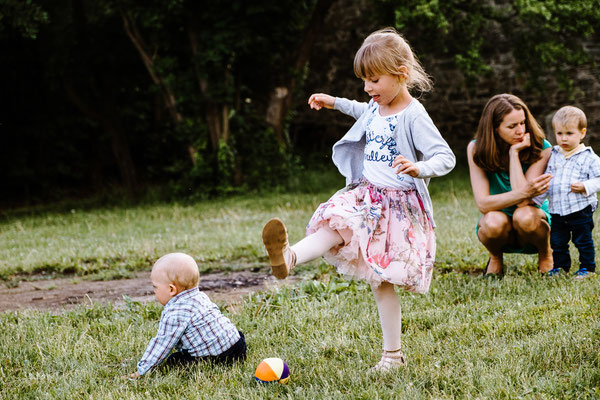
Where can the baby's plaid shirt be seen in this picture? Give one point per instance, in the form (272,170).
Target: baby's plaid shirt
(190,322)
(582,167)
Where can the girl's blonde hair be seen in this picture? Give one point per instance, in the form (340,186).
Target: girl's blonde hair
(384,52)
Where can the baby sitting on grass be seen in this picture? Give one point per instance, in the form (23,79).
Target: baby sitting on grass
(189,322)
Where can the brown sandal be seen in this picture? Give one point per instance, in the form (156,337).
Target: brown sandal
(275,238)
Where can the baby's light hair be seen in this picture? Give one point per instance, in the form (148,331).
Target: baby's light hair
(384,52)
(180,269)
(567,115)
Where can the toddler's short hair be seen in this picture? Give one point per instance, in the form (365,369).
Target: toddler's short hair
(567,115)
(180,269)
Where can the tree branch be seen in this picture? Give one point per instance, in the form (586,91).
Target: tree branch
(136,38)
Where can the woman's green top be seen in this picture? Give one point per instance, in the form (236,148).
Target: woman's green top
(500,183)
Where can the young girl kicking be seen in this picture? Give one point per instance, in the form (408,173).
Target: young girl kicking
(380,226)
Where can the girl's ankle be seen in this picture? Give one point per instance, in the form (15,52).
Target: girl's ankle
(390,359)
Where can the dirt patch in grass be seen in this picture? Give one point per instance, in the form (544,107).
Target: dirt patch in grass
(228,288)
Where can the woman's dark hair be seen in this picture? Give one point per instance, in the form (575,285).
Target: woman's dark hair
(491,152)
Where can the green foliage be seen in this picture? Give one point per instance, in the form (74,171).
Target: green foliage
(545,37)
(252,159)
(234,60)
(85,110)
(452,28)
(91,92)
(264,161)
(225,166)
(555,45)
(25,17)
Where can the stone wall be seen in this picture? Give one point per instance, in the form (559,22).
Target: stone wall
(455,104)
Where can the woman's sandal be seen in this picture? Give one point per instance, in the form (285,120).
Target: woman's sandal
(390,360)
(491,275)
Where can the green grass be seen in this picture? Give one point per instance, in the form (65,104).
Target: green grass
(105,243)
(520,337)
(109,242)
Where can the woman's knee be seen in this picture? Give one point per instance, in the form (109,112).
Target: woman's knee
(527,219)
(494,224)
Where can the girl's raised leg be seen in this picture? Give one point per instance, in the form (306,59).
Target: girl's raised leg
(283,257)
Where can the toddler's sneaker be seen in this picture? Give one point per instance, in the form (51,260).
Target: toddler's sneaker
(583,273)
(553,272)
(275,238)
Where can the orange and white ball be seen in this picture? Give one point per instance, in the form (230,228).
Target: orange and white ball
(272,370)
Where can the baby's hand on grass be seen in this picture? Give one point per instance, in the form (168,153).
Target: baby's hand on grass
(577,187)
(406,166)
(132,377)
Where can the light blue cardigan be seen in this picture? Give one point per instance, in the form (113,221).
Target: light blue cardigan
(415,132)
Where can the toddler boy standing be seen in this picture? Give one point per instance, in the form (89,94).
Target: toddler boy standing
(189,322)
(572,194)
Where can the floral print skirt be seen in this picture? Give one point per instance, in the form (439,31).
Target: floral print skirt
(387,235)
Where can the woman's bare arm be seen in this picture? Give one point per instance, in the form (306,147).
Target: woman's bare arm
(537,168)
(481,188)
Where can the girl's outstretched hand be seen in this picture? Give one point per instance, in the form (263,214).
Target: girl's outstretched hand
(406,166)
(317,101)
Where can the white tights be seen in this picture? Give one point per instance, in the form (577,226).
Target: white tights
(315,245)
(390,314)
(388,305)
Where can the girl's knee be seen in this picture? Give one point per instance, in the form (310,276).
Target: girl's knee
(382,289)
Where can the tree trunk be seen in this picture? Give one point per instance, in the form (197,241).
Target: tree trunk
(122,154)
(216,114)
(277,109)
(108,119)
(217,120)
(280,100)
(167,94)
(104,111)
